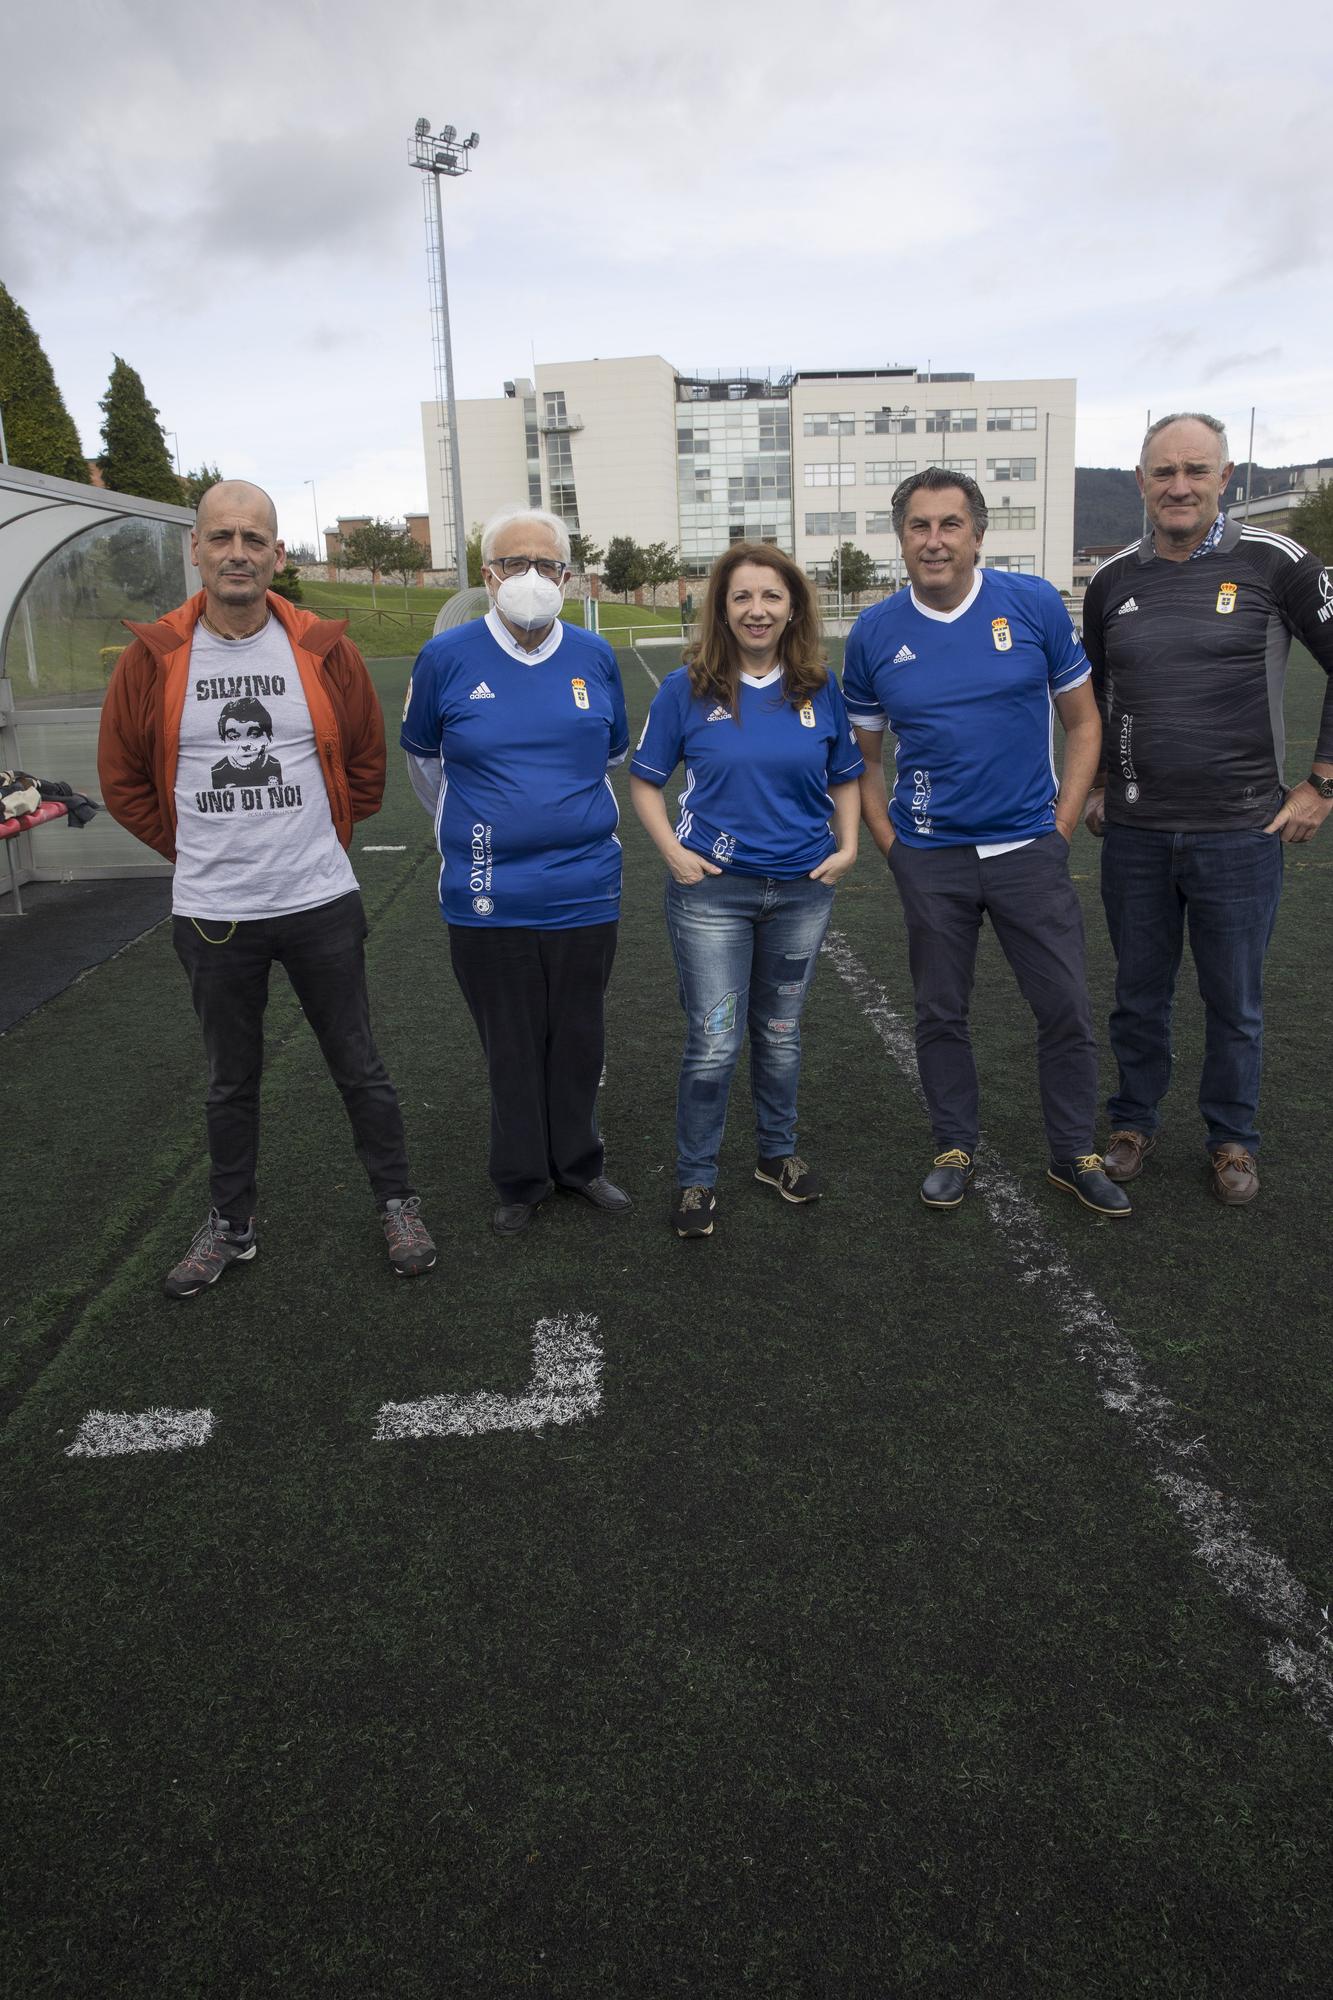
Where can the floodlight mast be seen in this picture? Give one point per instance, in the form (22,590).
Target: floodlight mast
(436,156)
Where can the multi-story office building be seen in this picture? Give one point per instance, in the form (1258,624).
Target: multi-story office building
(631,447)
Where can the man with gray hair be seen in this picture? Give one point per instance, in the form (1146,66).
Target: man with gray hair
(259,842)
(510,725)
(966,667)
(1188,631)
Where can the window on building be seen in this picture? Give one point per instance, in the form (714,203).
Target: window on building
(1017,565)
(879,524)
(889,423)
(966,466)
(1011,468)
(888,471)
(1013,517)
(829,423)
(830,475)
(555,406)
(830,524)
(1014,417)
(951,420)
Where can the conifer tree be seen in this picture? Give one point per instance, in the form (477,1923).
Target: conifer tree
(134,457)
(39,431)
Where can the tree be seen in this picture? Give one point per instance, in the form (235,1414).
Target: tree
(858,570)
(661,564)
(39,431)
(625,566)
(134,456)
(381,547)
(584,552)
(287,583)
(196,484)
(473,547)
(406,560)
(1312,522)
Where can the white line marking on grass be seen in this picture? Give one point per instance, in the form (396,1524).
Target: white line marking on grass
(646,668)
(566,1386)
(1299,1650)
(117,1433)
(383,850)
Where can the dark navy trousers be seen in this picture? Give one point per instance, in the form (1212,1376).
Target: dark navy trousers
(1034,911)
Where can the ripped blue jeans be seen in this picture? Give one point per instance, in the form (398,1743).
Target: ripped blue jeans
(745,948)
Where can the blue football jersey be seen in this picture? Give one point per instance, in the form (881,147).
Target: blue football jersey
(526,820)
(969,695)
(756,794)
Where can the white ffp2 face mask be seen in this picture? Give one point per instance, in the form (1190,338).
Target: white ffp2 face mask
(529,601)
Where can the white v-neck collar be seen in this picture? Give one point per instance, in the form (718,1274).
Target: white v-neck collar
(948,617)
(763,680)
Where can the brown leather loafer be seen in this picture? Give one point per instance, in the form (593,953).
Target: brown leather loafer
(1125,1154)
(1234,1178)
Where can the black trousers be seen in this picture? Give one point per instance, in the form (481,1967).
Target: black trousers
(537,999)
(323,952)
(1034,909)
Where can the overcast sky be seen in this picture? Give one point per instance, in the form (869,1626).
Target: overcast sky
(1137,196)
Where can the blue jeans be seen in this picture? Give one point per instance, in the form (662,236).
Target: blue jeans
(746,948)
(1226,886)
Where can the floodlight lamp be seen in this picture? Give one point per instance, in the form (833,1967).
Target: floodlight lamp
(422,127)
(449,133)
(475,140)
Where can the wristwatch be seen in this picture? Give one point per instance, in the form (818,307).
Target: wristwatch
(1324,786)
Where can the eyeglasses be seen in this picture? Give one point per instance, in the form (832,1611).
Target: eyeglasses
(548,566)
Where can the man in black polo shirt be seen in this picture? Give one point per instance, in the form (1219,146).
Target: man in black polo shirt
(1188,633)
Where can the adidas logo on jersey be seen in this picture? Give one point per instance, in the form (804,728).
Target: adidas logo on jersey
(719,714)
(903,653)
(481,693)
(1128,605)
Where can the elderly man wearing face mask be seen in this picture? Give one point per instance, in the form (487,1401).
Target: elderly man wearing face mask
(510,726)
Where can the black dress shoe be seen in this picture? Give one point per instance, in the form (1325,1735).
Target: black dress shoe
(511,1216)
(600,1192)
(944,1185)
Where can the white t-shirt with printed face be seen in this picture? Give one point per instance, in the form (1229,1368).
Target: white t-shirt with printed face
(254,835)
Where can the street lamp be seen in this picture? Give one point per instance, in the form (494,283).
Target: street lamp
(320,555)
(439,154)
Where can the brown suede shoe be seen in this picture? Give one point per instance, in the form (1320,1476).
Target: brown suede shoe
(1234,1178)
(1125,1154)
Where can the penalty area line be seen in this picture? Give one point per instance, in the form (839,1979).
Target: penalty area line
(566,1386)
(1299,1649)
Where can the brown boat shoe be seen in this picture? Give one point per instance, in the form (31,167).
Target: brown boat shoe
(1234,1178)
(1125,1154)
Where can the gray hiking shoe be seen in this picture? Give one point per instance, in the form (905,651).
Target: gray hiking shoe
(215,1246)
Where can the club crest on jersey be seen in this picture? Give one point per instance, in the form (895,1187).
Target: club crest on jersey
(580,692)
(807,715)
(1003,637)
(1226,599)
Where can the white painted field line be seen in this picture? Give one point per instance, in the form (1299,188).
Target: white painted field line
(383,850)
(646,668)
(1299,1650)
(566,1386)
(118,1433)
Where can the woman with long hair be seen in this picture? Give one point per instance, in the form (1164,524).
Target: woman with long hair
(767,827)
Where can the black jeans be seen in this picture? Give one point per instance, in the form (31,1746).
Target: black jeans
(323,952)
(536,997)
(1034,909)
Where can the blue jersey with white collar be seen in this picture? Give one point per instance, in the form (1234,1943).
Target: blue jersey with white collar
(969,695)
(756,796)
(526,820)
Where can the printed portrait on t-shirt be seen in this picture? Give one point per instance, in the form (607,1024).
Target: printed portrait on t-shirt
(246,727)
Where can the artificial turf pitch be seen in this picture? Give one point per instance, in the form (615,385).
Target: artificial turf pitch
(849,1648)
